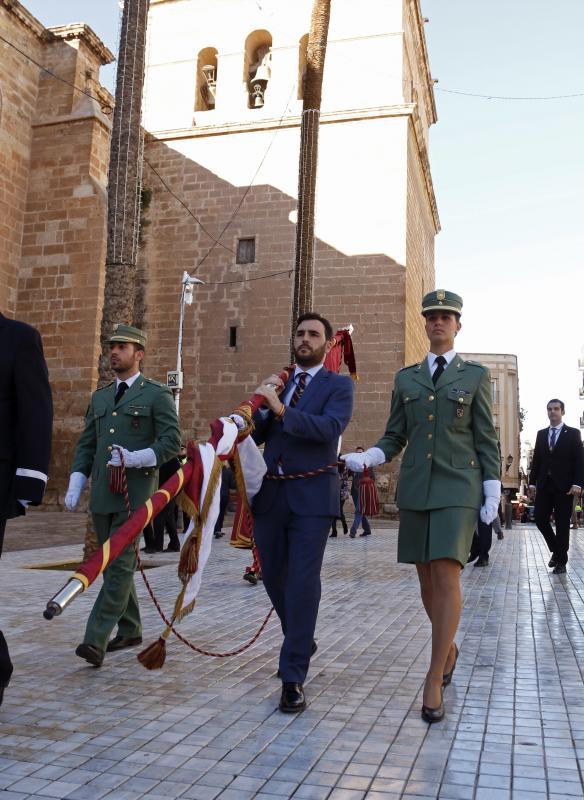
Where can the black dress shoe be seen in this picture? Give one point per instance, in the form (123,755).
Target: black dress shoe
(250,577)
(90,653)
(500,536)
(365,533)
(352,535)
(148,550)
(447,677)
(552,562)
(120,642)
(333,535)
(172,548)
(482,562)
(292,699)
(559,569)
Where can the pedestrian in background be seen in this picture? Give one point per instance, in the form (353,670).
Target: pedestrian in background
(343,496)
(555,478)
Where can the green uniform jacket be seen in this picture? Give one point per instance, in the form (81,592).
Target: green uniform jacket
(448,429)
(144,417)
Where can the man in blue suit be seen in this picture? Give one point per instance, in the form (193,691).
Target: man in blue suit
(300,428)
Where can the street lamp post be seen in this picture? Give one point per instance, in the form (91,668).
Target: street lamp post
(174,378)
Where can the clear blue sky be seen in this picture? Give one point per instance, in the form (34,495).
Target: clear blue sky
(508,175)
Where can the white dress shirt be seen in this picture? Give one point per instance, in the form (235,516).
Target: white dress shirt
(128,381)
(433,366)
(310,372)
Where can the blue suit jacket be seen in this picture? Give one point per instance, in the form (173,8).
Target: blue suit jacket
(307,438)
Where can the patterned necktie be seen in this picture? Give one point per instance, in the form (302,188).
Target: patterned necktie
(553,435)
(440,361)
(120,392)
(300,387)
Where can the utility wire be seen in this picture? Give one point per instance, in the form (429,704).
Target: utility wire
(509,97)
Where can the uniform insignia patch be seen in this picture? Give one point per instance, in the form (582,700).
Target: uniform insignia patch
(460,412)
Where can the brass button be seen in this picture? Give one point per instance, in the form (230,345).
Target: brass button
(112,430)
(135,413)
(109,447)
(461,399)
(428,455)
(114,413)
(430,397)
(146,473)
(429,436)
(406,399)
(472,463)
(430,417)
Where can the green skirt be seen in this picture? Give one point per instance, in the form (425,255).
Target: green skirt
(439,533)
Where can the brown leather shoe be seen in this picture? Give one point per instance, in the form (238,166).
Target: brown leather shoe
(292,700)
(120,642)
(90,653)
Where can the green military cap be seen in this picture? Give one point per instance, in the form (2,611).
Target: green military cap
(126,333)
(441,300)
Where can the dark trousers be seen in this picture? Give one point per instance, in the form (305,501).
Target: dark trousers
(342,518)
(166,520)
(547,500)
(291,549)
(223,502)
(5,662)
(481,541)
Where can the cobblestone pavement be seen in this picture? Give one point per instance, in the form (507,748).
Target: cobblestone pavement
(205,728)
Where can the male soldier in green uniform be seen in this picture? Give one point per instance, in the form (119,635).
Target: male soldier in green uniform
(137,415)
(441,409)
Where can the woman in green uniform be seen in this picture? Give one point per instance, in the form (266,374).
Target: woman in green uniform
(441,413)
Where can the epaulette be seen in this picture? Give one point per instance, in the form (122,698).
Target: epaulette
(105,386)
(409,366)
(475,364)
(154,383)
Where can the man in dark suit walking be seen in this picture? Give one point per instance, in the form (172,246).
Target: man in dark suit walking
(556,476)
(26,421)
(300,428)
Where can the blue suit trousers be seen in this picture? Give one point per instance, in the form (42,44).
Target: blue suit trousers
(291,549)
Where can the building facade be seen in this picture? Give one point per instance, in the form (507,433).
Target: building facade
(54,150)
(222,113)
(230,154)
(506,412)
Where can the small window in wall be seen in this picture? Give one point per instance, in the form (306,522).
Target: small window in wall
(302,48)
(233,336)
(206,79)
(245,251)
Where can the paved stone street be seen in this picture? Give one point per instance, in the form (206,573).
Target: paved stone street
(206,728)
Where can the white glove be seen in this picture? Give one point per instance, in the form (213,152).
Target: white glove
(239,421)
(490,508)
(357,462)
(133,459)
(77,483)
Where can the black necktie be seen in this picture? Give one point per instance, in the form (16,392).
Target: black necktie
(300,387)
(553,435)
(440,361)
(120,392)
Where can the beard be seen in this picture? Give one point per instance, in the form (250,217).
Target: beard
(309,357)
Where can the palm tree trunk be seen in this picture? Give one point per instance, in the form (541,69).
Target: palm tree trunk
(312,94)
(124,185)
(125,177)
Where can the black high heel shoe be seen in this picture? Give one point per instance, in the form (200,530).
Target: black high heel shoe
(431,715)
(447,677)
